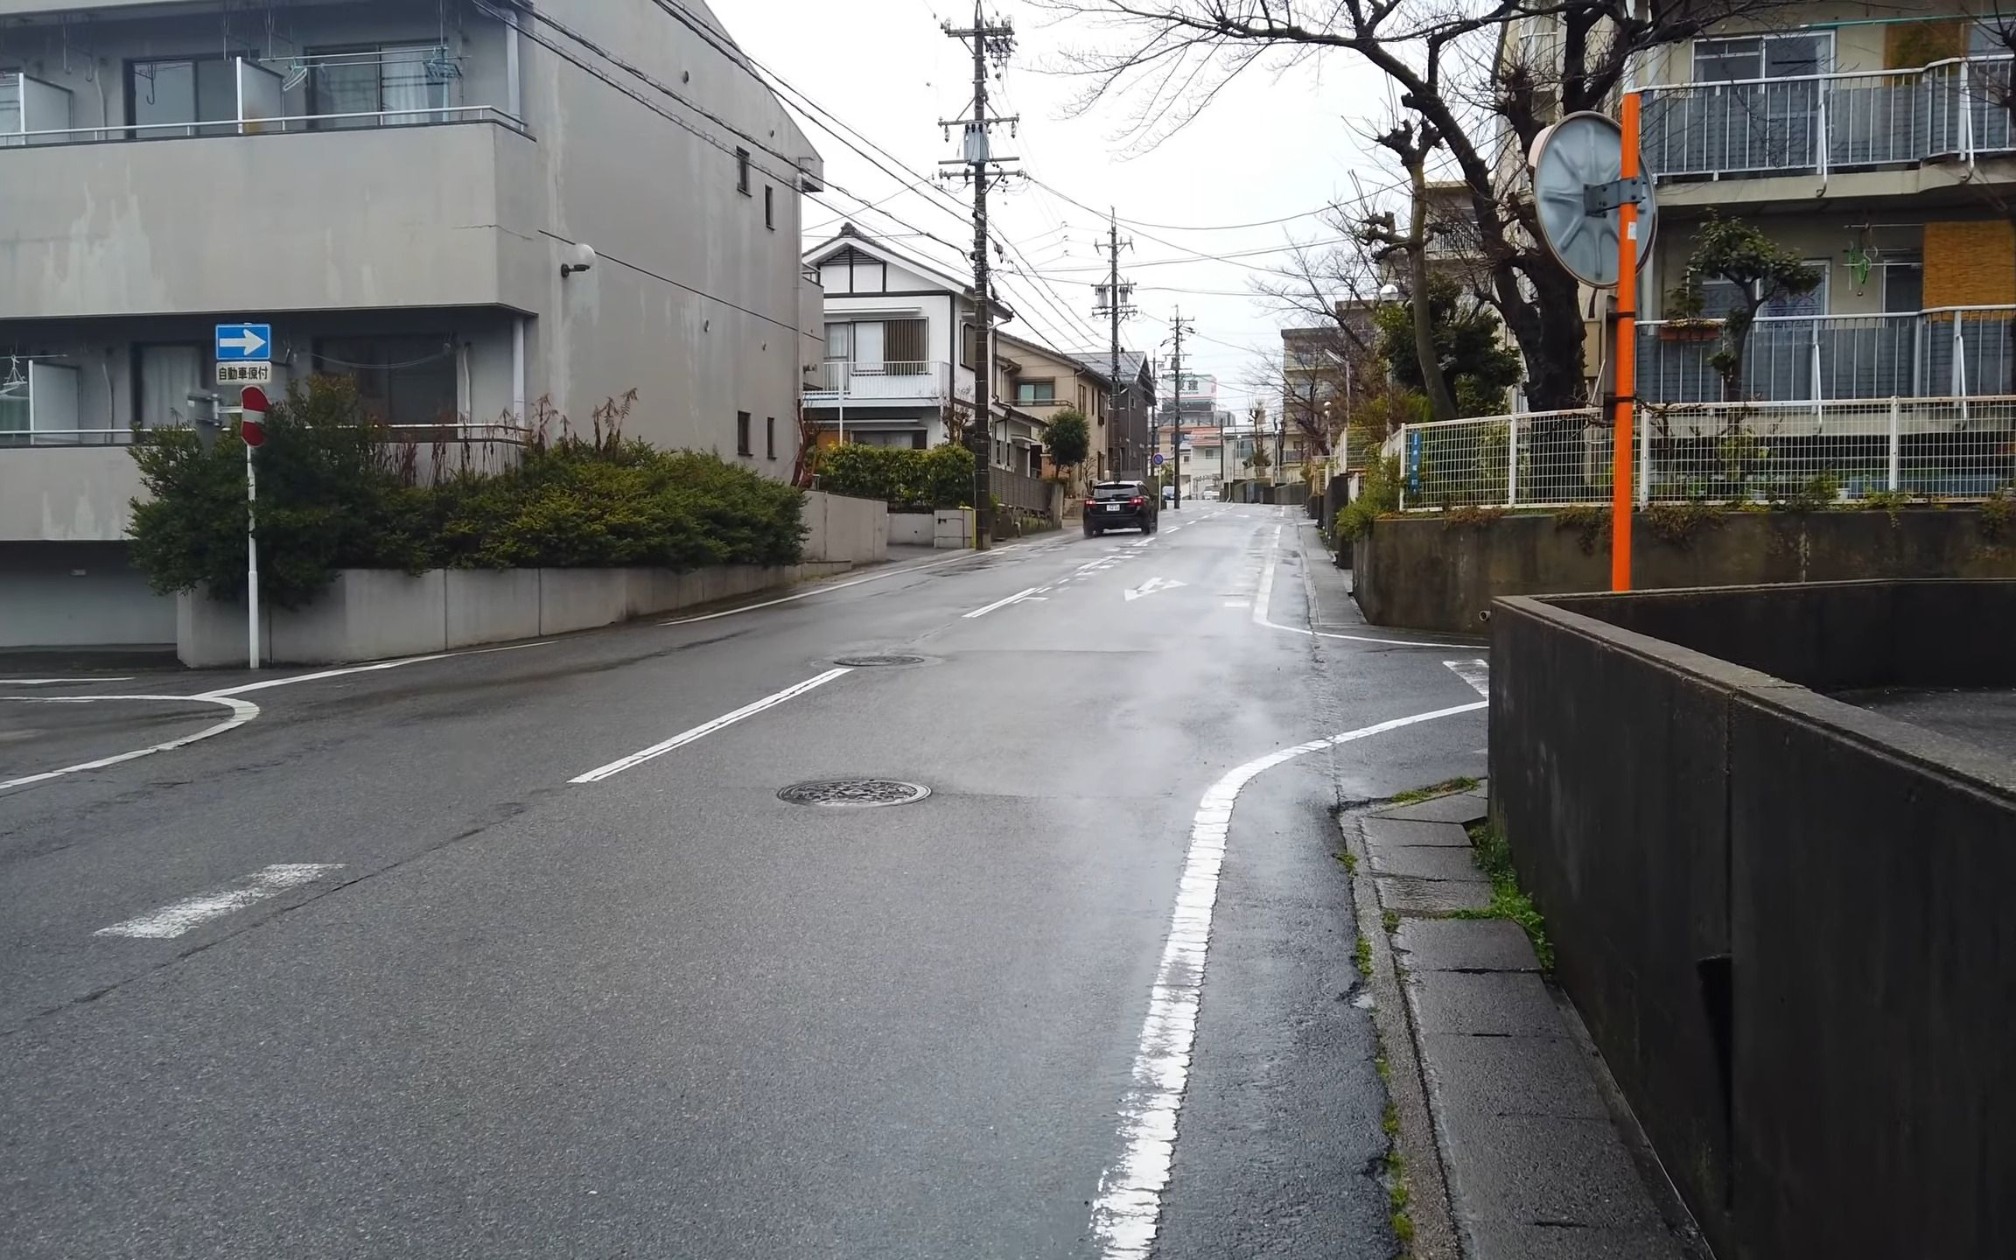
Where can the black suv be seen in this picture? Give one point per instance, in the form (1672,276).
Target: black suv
(1119,505)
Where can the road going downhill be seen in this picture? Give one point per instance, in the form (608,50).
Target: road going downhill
(520,953)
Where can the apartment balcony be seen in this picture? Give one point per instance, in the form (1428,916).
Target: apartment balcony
(1956,352)
(1830,125)
(877,384)
(255,209)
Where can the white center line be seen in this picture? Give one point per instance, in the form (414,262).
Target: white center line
(174,919)
(706,728)
(1002,603)
(242,711)
(1127,1213)
(1476,673)
(58,682)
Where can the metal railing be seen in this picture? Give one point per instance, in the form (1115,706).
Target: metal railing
(1827,122)
(285,124)
(1925,448)
(11,438)
(1957,351)
(892,381)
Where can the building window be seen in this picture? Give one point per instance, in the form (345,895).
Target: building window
(769,207)
(163,378)
(770,437)
(166,98)
(1759,57)
(969,346)
(904,342)
(742,446)
(742,171)
(839,343)
(917,440)
(400,380)
(1035,391)
(393,85)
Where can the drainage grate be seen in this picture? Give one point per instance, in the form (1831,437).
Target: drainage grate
(869,662)
(854,793)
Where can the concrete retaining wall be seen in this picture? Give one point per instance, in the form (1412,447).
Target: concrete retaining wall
(842,529)
(1433,574)
(913,529)
(1785,919)
(373,614)
(953,528)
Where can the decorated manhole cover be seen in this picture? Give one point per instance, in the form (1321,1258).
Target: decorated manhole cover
(869,662)
(854,793)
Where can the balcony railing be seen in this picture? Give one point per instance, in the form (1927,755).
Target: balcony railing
(1954,351)
(33,112)
(1828,122)
(909,381)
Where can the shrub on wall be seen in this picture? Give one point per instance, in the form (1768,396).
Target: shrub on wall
(335,494)
(941,477)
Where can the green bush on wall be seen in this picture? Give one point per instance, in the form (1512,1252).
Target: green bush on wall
(335,494)
(941,477)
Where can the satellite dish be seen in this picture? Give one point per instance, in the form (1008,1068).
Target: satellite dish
(1581,152)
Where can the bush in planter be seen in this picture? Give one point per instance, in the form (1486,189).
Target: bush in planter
(332,495)
(938,478)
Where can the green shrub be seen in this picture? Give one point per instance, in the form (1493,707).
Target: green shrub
(333,494)
(1379,494)
(941,477)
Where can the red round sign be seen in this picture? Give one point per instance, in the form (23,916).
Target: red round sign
(253,398)
(252,431)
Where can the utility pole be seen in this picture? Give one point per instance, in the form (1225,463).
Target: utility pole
(1113,299)
(1176,416)
(980,166)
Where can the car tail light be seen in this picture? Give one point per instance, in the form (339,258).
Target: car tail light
(1091,503)
(1138,500)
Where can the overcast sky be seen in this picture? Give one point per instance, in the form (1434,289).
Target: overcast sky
(1270,146)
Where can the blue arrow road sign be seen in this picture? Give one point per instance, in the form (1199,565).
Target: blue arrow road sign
(244,343)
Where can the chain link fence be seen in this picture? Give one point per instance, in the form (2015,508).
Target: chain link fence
(1923,448)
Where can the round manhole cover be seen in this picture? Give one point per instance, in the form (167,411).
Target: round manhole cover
(869,662)
(854,793)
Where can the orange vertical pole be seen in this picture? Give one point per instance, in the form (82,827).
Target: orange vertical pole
(1625,369)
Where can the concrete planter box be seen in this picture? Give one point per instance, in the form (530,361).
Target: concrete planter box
(913,529)
(374,614)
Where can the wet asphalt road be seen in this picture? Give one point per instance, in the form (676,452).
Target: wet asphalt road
(664,1013)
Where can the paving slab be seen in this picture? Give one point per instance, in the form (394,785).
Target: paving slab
(1509,1076)
(1379,830)
(1546,1171)
(1500,1003)
(1464,945)
(1462,807)
(1425,862)
(1405,894)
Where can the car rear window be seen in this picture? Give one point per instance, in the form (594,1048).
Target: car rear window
(1119,490)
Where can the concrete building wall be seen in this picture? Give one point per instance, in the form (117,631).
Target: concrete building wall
(78,595)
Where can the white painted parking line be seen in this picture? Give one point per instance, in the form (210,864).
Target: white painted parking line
(190,913)
(1127,1213)
(242,711)
(1476,673)
(706,728)
(1017,597)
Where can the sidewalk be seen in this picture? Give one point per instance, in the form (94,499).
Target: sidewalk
(1511,1150)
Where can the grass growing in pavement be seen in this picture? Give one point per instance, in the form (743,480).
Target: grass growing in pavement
(1391,920)
(1361,953)
(1508,900)
(1350,861)
(1396,1178)
(1414,796)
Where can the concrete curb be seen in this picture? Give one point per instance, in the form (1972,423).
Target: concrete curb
(1514,1150)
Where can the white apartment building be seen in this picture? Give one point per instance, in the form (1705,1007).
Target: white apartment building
(395,187)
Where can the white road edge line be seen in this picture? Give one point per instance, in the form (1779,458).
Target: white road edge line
(186,915)
(1264,598)
(1476,673)
(707,728)
(242,711)
(268,684)
(1127,1212)
(824,589)
(1002,603)
(57,682)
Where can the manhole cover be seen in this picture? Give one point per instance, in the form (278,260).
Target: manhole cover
(854,793)
(869,662)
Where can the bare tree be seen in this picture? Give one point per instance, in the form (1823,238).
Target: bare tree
(1456,69)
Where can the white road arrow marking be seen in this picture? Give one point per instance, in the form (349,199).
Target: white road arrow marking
(1153,585)
(248,342)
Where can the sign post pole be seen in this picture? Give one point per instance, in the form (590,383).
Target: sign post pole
(252,430)
(1624,379)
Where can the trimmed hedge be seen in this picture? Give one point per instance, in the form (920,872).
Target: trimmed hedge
(335,494)
(941,477)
